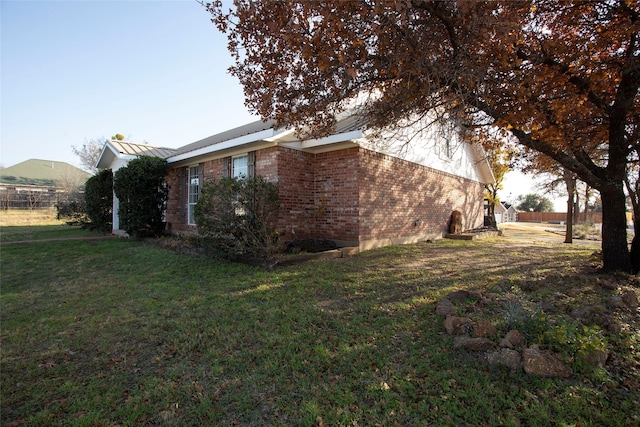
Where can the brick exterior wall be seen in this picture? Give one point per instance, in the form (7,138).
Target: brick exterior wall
(402,201)
(177,204)
(176,215)
(295,180)
(337,195)
(352,195)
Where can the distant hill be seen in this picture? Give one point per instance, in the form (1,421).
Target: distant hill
(43,173)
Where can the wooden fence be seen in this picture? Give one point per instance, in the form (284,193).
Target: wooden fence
(591,217)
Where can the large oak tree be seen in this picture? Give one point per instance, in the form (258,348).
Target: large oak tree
(560,76)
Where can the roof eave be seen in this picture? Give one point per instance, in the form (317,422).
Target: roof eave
(314,144)
(484,169)
(264,135)
(108,149)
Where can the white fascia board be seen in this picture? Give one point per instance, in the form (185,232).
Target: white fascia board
(104,148)
(332,139)
(109,150)
(280,135)
(245,139)
(482,163)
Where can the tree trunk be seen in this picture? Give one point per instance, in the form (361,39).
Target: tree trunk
(586,204)
(615,250)
(576,207)
(570,183)
(635,245)
(490,220)
(634,195)
(568,234)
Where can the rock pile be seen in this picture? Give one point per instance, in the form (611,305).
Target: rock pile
(511,350)
(482,336)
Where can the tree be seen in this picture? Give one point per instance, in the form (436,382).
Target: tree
(89,153)
(534,203)
(558,175)
(560,76)
(500,159)
(142,191)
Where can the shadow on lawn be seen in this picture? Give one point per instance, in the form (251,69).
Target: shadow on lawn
(359,338)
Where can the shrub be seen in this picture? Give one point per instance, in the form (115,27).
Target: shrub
(532,323)
(586,231)
(142,191)
(98,197)
(235,217)
(567,337)
(73,211)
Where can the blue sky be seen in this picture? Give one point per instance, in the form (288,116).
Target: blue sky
(154,71)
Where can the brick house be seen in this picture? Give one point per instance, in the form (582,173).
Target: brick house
(347,187)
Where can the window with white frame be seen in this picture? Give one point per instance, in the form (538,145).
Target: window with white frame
(240,166)
(193,191)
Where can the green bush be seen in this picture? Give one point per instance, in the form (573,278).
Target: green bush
(142,191)
(235,217)
(98,197)
(72,211)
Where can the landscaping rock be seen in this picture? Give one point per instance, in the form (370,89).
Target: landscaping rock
(584,312)
(458,296)
(457,325)
(609,284)
(505,357)
(580,312)
(540,363)
(608,322)
(513,339)
(630,298)
(445,307)
(477,295)
(617,302)
(596,358)
(484,328)
(464,342)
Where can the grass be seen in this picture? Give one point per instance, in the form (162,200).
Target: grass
(21,225)
(15,217)
(117,332)
(17,233)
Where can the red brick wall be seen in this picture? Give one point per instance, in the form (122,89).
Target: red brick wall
(400,199)
(177,202)
(350,195)
(295,179)
(337,195)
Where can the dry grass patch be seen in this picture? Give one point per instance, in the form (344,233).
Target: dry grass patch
(16,217)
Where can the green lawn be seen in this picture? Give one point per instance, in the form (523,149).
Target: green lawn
(117,332)
(40,232)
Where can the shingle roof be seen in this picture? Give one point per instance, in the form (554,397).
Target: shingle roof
(46,173)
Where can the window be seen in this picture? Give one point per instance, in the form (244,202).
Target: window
(240,166)
(193,191)
(237,166)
